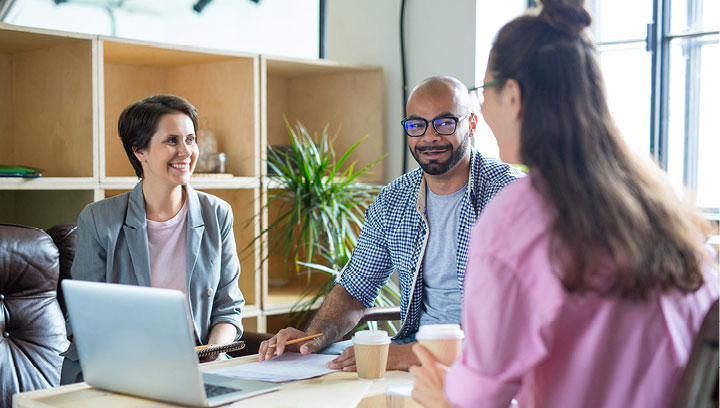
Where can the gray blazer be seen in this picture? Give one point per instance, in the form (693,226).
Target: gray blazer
(112,246)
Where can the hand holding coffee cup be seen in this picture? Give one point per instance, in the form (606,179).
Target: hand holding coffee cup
(371,353)
(444,341)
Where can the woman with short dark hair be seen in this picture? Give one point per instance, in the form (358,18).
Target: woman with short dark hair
(163,233)
(588,279)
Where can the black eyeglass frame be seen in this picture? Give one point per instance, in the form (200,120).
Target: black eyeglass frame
(454,118)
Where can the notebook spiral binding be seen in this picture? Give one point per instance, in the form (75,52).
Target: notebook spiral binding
(220,348)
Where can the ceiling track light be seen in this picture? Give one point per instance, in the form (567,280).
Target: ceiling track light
(199,5)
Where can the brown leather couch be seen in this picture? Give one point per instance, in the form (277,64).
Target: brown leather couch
(32,324)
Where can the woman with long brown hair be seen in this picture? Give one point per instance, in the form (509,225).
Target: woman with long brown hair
(587,280)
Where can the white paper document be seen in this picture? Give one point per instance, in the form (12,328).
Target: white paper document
(400,391)
(288,367)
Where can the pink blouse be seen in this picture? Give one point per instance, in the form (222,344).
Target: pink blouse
(528,338)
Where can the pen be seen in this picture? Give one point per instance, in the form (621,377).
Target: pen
(313,336)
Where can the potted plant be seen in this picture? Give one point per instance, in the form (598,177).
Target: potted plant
(319,207)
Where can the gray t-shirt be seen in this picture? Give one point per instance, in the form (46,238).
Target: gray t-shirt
(442,297)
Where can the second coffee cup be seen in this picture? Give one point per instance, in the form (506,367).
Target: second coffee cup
(371,353)
(444,341)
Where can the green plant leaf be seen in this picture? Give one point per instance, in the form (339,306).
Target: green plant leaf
(318,208)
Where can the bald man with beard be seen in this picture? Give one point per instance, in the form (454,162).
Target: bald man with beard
(418,225)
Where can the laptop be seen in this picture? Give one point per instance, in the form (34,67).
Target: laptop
(138,341)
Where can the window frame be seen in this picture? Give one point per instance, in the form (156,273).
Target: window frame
(657,41)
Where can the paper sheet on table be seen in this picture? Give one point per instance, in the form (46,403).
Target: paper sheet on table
(400,390)
(288,367)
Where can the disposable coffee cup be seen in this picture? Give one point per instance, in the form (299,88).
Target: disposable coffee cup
(371,353)
(444,341)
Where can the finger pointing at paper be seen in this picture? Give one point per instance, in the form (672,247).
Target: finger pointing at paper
(289,339)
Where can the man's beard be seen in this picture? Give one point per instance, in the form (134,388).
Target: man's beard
(434,167)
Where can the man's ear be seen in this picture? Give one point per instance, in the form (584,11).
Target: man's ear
(514,97)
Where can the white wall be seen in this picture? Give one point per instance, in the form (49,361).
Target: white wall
(441,38)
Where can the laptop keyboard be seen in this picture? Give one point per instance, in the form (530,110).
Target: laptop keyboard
(215,390)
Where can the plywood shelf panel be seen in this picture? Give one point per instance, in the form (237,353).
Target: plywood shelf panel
(126,183)
(14,39)
(299,67)
(250,310)
(245,227)
(48,111)
(48,183)
(43,208)
(222,87)
(125,51)
(341,96)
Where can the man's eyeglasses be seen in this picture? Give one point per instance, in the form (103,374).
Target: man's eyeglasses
(445,125)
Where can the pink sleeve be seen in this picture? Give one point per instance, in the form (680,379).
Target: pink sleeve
(507,333)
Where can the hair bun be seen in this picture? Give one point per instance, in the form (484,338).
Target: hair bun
(568,16)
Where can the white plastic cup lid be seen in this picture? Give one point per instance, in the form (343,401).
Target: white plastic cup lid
(371,337)
(440,332)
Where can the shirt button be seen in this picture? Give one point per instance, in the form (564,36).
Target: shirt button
(209,292)
(6,334)
(2,297)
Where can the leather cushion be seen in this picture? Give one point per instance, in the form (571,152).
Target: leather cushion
(64,236)
(32,327)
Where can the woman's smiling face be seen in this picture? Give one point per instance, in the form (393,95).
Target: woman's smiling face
(171,156)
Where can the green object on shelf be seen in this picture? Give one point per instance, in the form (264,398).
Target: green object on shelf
(8,170)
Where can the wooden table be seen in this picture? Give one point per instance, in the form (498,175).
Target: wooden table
(338,389)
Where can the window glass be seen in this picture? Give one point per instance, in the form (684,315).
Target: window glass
(616,20)
(626,70)
(693,122)
(704,15)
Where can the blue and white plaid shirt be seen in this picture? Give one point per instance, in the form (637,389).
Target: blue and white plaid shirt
(395,234)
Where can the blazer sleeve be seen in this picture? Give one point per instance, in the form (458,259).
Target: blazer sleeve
(229,301)
(90,258)
(90,255)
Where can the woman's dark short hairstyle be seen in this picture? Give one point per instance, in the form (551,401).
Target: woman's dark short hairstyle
(138,122)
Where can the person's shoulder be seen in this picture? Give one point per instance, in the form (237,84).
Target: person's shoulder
(489,170)
(111,207)
(405,185)
(212,202)
(516,196)
(517,211)
(105,215)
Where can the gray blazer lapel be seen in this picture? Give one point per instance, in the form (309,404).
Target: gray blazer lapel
(195,230)
(135,229)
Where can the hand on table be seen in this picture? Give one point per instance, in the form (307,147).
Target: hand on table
(265,352)
(429,386)
(400,357)
(212,357)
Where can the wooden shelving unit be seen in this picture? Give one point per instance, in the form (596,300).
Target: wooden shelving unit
(62,93)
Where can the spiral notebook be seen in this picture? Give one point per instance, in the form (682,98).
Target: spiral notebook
(207,351)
